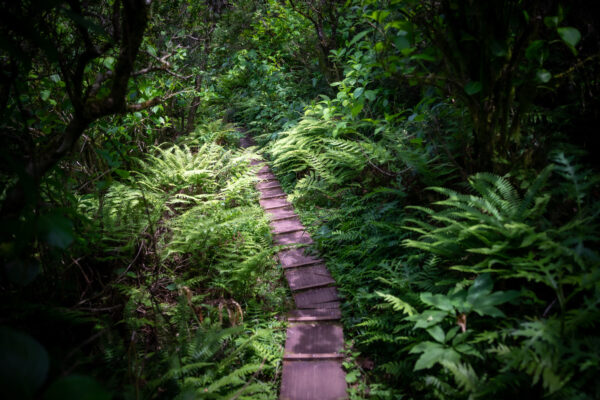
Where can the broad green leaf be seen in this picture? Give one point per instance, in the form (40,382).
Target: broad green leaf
(356,109)
(543,75)
(439,301)
(109,62)
(551,21)
(433,353)
(571,36)
(379,15)
(358,92)
(45,94)
(370,95)
(151,50)
(437,333)
(481,287)
(402,43)
(122,173)
(352,376)
(472,88)
(535,51)
(357,37)
(428,318)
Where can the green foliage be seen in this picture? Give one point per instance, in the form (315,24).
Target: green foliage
(150,266)
(499,232)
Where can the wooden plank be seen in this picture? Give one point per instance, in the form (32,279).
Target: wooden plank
(318,314)
(268,185)
(295,237)
(316,298)
(293,258)
(264,169)
(273,191)
(313,356)
(269,176)
(246,142)
(273,196)
(274,203)
(313,380)
(312,276)
(282,214)
(286,225)
(334,305)
(314,338)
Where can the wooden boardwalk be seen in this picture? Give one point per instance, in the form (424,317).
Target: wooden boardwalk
(312,362)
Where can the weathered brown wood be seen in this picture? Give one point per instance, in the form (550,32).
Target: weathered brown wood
(295,237)
(316,298)
(273,191)
(268,185)
(319,314)
(286,225)
(246,142)
(268,176)
(334,305)
(282,214)
(313,380)
(264,169)
(273,196)
(309,277)
(312,367)
(314,338)
(313,356)
(293,258)
(274,203)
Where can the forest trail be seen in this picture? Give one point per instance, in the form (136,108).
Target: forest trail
(312,361)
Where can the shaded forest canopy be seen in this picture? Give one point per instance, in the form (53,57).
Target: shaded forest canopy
(440,152)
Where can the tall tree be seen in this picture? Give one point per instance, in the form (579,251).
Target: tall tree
(64,65)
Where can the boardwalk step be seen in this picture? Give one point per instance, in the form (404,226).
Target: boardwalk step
(313,380)
(268,185)
(333,305)
(317,298)
(302,264)
(294,237)
(267,176)
(273,191)
(247,141)
(286,225)
(273,196)
(314,276)
(313,356)
(312,360)
(294,258)
(283,214)
(274,203)
(314,338)
(316,314)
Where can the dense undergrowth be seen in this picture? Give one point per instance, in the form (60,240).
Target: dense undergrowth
(456,284)
(441,153)
(183,264)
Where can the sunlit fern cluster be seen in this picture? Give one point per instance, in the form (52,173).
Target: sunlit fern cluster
(192,212)
(551,337)
(320,162)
